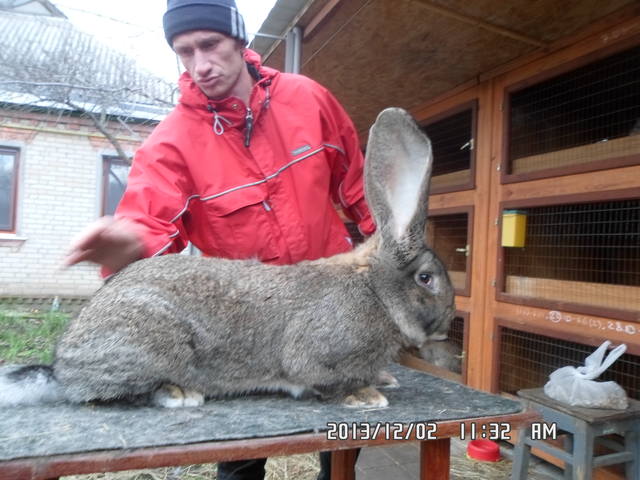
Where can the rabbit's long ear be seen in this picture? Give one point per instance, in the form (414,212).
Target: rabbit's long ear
(397,175)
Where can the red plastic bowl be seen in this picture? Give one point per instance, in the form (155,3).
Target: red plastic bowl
(484,450)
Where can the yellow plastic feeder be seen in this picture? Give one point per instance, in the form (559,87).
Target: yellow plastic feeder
(514,227)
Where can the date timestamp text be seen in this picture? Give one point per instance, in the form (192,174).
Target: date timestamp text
(386,430)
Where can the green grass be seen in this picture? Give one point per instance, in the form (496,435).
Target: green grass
(28,337)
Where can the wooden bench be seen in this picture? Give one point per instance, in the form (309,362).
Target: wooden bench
(49,442)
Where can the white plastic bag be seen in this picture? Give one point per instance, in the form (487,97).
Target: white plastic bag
(576,386)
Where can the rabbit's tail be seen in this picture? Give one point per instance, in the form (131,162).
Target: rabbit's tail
(28,385)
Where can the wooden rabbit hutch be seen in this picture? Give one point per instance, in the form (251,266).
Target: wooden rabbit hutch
(556,156)
(533,109)
(555,142)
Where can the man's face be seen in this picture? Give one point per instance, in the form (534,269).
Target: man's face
(213,59)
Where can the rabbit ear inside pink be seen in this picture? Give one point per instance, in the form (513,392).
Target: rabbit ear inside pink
(397,176)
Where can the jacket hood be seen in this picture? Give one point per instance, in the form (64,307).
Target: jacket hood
(192,96)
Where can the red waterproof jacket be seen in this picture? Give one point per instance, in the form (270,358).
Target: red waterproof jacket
(242,187)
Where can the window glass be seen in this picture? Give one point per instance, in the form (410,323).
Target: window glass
(8,170)
(115,181)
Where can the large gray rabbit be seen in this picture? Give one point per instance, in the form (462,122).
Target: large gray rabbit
(174,330)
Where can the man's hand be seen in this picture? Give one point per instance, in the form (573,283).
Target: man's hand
(111,242)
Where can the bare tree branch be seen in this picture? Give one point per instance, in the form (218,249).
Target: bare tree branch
(48,64)
(101,125)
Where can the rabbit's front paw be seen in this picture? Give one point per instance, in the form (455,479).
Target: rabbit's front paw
(386,380)
(366,397)
(172,396)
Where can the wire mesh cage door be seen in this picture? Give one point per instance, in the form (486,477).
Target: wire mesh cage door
(449,235)
(449,354)
(584,257)
(583,119)
(527,359)
(452,136)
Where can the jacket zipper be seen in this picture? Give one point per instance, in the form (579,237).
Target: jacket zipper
(248,123)
(248,119)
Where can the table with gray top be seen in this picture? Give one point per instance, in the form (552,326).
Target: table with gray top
(47,442)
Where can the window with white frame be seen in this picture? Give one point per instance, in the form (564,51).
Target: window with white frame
(9,162)
(114,182)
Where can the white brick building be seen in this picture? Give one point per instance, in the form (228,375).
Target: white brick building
(59,190)
(53,167)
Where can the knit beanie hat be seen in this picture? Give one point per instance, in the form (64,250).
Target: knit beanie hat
(218,15)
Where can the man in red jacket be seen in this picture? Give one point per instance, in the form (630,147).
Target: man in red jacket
(248,165)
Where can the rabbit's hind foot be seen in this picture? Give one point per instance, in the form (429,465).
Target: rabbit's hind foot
(386,380)
(367,397)
(172,396)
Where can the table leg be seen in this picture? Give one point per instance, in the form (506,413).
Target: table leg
(632,444)
(521,455)
(583,440)
(343,463)
(435,459)
(568,446)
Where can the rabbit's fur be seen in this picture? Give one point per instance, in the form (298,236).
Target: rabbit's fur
(214,327)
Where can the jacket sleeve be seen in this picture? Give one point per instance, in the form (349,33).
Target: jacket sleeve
(347,185)
(157,196)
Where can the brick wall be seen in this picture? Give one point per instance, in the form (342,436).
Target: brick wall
(59,193)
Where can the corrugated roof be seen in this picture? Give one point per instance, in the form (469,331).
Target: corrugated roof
(282,17)
(32,7)
(50,58)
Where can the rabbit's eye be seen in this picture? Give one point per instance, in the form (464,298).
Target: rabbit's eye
(425,279)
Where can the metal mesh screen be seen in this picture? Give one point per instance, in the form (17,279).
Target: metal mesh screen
(452,144)
(449,354)
(590,114)
(448,236)
(582,253)
(527,359)
(456,332)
